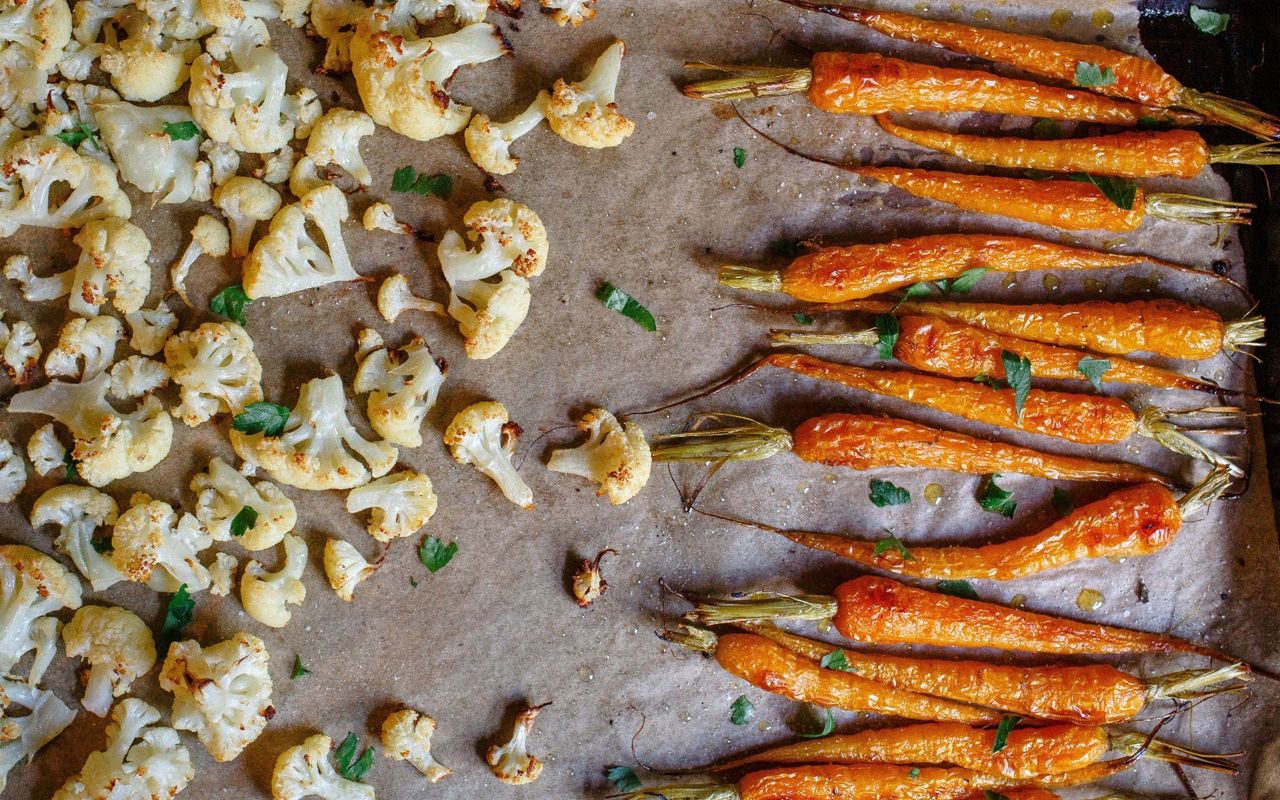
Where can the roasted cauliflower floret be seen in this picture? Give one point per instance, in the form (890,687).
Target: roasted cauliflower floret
(514,230)
(39,28)
(406,735)
(85,348)
(382,217)
(489,143)
(20,351)
(146,65)
(118,647)
(37,289)
(615,455)
(108,444)
(138,376)
(245,202)
(209,237)
(402,79)
(304,771)
(401,504)
(216,371)
(156,768)
(13,473)
(395,298)
(570,12)
(266,596)
(148,157)
(585,113)
(31,170)
(345,567)
(319,447)
(113,262)
(222,493)
(150,328)
(335,139)
(511,762)
(79,512)
(483,435)
(22,735)
(45,451)
(289,260)
(32,586)
(221,693)
(222,574)
(153,545)
(402,387)
(241,100)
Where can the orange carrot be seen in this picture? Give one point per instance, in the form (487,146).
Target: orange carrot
(864,441)
(1166,328)
(1131,154)
(881,611)
(1135,521)
(869,83)
(1133,78)
(943,347)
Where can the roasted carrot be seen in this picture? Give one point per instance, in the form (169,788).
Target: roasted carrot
(957,350)
(1131,154)
(1168,328)
(835,274)
(1137,79)
(881,611)
(869,83)
(1091,694)
(864,441)
(1138,520)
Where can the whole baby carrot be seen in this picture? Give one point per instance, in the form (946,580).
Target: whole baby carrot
(957,350)
(1168,328)
(1131,154)
(869,83)
(1131,77)
(881,611)
(1134,521)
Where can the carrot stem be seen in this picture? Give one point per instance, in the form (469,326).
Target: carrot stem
(1247,332)
(1154,423)
(765,606)
(768,281)
(747,81)
(687,792)
(1199,210)
(1259,154)
(747,440)
(1194,684)
(1236,113)
(1133,742)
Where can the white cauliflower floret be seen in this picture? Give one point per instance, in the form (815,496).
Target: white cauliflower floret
(395,298)
(151,544)
(146,65)
(406,735)
(382,217)
(150,328)
(223,161)
(32,586)
(221,693)
(91,341)
(585,113)
(156,768)
(245,202)
(305,177)
(39,28)
(483,435)
(318,448)
(267,595)
(119,648)
(44,635)
(32,168)
(511,762)
(148,157)
(345,567)
(401,504)
(241,100)
(23,90)
(19,351)
(402,79)
(222,573)
(216,371)
(138,376)
(276,167)
(36,289)
(402,386)
(517,231)
(335,139)
(13,473)
(222,493)
(289,260)
(304,771)
(23,735)
(79,511)
(209,237)
(570,12)
(113,261)
(489,143)
(44,450)
(109,445)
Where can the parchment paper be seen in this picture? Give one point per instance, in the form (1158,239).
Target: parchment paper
(655,217)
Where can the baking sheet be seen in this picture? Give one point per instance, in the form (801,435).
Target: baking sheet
(655,217)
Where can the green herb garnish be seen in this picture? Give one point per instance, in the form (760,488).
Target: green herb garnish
(230,303)
(268,418)
(69,462)
(1062,502)
(435,554)
(1046,129)
(1120,191)
(298,669)
(885,493)
(350,767)
(623,778)
(244,521)
(828,725)
(961,589)
(78,134)
(1210,22)
(742,711)
(913,773)
(891,542)
(177,615)
(739,157)
(1093,369)
(1003,730)
(626,305)
(181,131)
(996,500)
(836,660)
(802,318)
(407,179)
(1017,373)
(1091,75)
(962,283)
(887,329)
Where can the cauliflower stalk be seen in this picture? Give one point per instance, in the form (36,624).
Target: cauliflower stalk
(402,387)
(32,586)
(615,455)
(157,766)
(32,168)
(289,260)
(245,202)
(13,472)
(267,595)
(209,237)
(401,79)
(483,435)
(511,762)
(78,512)
(151,544)
(222,493)
(215,369)
(222,693)
(304,770)
(22,735)
(346,568)
(406,735)
(585,113)
(489,143)
(401,504)
(85,348)
(335,139)
(109,445)
(148,157)
(319,448)
(118,647)
(395,297)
